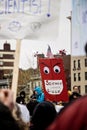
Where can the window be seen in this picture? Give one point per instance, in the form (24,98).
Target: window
(79,87)
(74,76)
(85,88)
(85,75)
(79,64)
(85,62)
(79,77)
(74,65)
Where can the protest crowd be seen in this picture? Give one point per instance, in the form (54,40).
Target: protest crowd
(51,106)
(41,114)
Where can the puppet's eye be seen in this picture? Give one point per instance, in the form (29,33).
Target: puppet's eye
(56,69)
(46,70)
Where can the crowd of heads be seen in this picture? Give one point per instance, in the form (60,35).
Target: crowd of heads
(40,114)
(43,115)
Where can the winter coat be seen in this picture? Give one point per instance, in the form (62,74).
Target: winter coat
(40,94)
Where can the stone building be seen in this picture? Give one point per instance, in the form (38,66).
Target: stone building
(79,73)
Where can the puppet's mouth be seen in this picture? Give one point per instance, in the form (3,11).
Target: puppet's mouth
(53,86)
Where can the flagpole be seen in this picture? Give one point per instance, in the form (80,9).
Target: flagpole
(16,68)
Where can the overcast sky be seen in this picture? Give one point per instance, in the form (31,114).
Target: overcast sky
(29,47)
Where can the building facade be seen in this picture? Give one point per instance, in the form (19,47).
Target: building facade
(6,65)
(79,73)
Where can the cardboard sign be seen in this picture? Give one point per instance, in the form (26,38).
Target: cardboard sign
(53,79)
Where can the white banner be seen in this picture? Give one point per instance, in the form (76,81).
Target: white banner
(54,86)
(29,19)
(79,27)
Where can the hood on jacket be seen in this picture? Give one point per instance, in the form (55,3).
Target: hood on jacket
(38,90)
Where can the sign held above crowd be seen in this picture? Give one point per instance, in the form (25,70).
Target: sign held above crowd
(29,19)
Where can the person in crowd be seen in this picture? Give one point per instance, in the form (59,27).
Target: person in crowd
(25,113)
(33,96)
(76,89)
(21,99)
(43,115)
(19,117)
(7,121)
(31,105)
(74,96)
(39,94)
(72,117)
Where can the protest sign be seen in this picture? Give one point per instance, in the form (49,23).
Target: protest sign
(79,27)
(29,19)
(53,79)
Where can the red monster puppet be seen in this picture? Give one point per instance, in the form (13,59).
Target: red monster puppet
(53,79)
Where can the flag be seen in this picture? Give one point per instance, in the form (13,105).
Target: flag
(49,52)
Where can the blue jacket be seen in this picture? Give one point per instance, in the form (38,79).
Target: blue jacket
(40,94)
